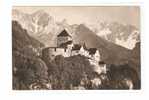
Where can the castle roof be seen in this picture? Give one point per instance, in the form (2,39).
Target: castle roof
(64,33)
(76,47)
(102,62)
(92,51)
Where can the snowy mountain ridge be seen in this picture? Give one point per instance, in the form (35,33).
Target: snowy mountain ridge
(44,27)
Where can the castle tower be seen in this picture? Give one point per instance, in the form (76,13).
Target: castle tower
(63,37)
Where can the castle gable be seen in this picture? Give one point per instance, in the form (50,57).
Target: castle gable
(64,33)
(63,38)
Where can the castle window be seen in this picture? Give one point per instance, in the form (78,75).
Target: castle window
(65,49)
(54,49)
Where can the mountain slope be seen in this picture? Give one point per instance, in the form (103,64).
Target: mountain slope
(122,34)
(135,59)
(21,39)
(110,52)
(27,65)
(40,25)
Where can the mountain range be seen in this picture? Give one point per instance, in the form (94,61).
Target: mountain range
(44,27)
(125,35)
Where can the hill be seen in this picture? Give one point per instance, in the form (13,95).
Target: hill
(110,52)
(27,65)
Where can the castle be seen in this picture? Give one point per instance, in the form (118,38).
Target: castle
(67,48)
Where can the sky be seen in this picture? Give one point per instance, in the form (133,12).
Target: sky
(89,14)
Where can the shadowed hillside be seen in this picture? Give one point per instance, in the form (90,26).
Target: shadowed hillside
(110,52)
(27,66)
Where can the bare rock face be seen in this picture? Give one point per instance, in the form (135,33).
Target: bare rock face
(120,34)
